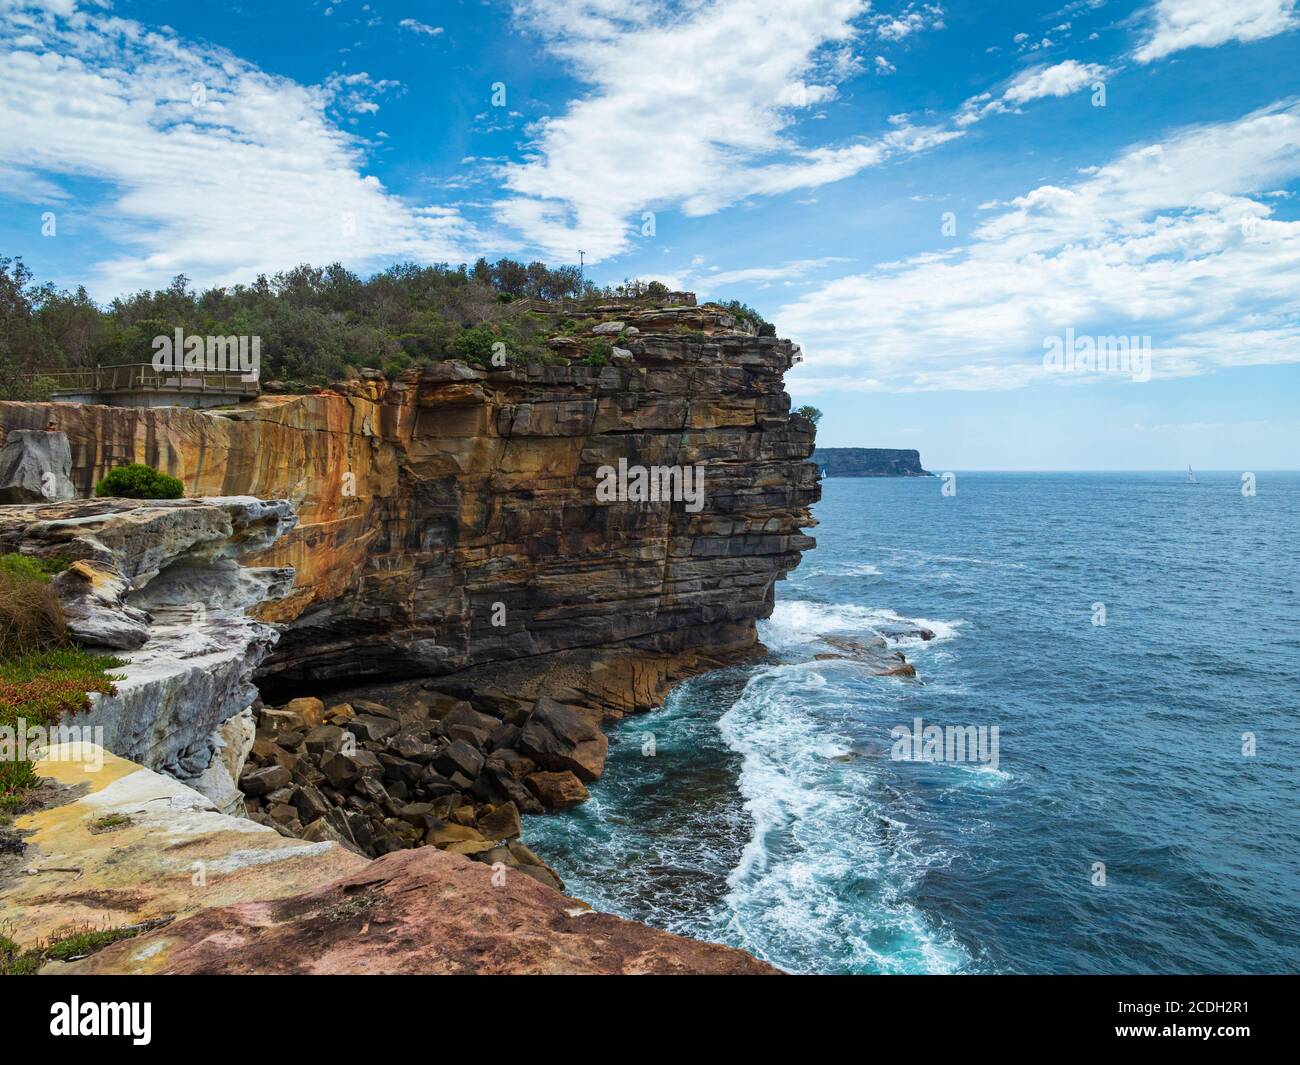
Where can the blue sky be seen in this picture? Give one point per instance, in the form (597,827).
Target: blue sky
(921,195)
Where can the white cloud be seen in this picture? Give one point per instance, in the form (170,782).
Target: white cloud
(421,28)
(798,268)
(1062,79)
(690,111)
(1059,80)
(1170,240)
(1180,24)
(256,178)
(913,19)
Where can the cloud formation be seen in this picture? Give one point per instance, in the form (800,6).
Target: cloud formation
(689,107)
(214,167)
(1180,24)
(1134,248)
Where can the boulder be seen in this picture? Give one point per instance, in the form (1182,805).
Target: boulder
(343,770)
(557,791)
(559,737)
(264,780)
(309,712)
(501,823)
(34,467)
(459,757)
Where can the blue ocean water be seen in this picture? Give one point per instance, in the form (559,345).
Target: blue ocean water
(761,806)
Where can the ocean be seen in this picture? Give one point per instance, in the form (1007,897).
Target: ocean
(1134,639)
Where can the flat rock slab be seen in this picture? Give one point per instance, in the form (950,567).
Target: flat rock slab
(417,912)
(172,853)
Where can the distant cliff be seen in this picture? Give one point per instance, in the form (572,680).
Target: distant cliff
(869,462)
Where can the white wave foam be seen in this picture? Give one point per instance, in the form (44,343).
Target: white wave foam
(797,623)
(825,876)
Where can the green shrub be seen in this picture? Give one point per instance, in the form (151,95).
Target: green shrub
(598,355)
(138,481)
(475,345)
(18,566)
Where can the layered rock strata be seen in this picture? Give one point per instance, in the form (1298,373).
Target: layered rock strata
(449,519)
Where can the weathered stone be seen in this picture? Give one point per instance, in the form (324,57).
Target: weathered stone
(459,757)
(343,770)
(560,737)
(310,804)
(34,467)
(501,823)
(263,781)
(310,712)
(376,729)
(556,791)
(324,738)
(442,833)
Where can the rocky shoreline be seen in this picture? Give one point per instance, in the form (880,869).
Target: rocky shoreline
(419,609)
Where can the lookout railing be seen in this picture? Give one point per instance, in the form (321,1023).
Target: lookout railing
(144,377)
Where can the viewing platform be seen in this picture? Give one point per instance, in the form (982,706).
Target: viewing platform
(141,385)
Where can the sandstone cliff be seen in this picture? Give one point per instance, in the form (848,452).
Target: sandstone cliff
(449,519)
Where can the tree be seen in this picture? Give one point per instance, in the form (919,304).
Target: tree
(811,413)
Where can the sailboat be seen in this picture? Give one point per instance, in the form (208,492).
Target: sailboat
(1191,477)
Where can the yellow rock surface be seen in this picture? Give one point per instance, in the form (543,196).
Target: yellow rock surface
(123,844)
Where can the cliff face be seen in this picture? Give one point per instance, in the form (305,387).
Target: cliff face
(450,519)
(869,462)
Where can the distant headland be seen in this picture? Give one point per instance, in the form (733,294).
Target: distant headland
(869,462)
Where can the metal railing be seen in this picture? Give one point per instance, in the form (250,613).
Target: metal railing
(143,377)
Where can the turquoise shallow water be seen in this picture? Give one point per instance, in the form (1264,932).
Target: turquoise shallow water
(761,806)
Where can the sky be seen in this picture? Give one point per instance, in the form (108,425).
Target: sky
(946,205)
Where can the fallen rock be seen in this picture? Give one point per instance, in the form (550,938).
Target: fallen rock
(560,737)
(502,823)
(557,791)
(34,467)
(265,780)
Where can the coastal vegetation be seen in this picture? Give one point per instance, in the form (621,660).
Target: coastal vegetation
(43,676)
(315,323)
(138,481)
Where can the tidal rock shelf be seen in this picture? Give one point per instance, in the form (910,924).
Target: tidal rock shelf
(127,846)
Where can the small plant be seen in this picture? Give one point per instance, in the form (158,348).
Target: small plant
(30,615)
(14,961)
(599,354)
(811,413)
(138,481)
(39,689)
